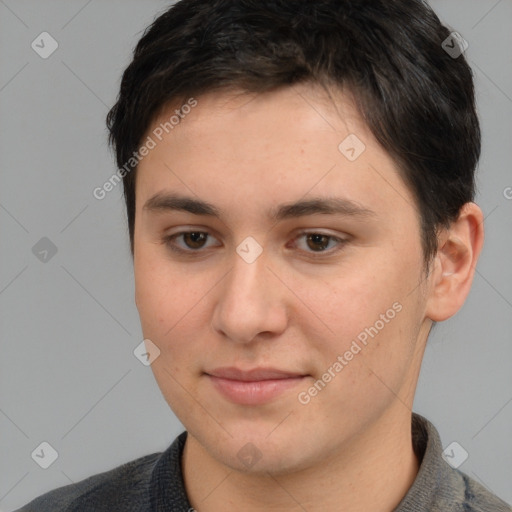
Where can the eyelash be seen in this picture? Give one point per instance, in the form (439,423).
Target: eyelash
(169,242)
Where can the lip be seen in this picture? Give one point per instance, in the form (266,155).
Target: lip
(253,387)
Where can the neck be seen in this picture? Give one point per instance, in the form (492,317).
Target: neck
(373,471)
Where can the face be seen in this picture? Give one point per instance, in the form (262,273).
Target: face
(324,298)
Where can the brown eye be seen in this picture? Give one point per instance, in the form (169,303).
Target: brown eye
(318,242)
(194,239)
(189,242)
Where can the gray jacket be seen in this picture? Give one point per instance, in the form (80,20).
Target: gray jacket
(154,483)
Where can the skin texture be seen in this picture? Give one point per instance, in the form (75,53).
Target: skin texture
(350,447)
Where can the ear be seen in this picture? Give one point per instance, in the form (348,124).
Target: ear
(454,263)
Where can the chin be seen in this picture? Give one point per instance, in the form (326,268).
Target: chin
(258,453)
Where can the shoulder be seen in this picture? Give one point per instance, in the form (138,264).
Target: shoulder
(439,486)
(477,498)
(125,487)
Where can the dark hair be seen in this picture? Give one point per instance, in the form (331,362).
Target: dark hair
(416,98)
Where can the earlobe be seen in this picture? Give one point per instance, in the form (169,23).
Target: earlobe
(455,262)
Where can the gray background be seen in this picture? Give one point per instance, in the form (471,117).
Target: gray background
(69,325)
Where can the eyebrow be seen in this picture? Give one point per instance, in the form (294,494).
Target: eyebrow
(161,202)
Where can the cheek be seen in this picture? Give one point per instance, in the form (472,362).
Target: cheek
(351,299)
(171,312)
(367,313)
(159,292)
(171,304)
(166,309)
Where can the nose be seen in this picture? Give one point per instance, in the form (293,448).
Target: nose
(250,302)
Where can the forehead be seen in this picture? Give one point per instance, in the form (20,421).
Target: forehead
(234,113)
(270,147)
